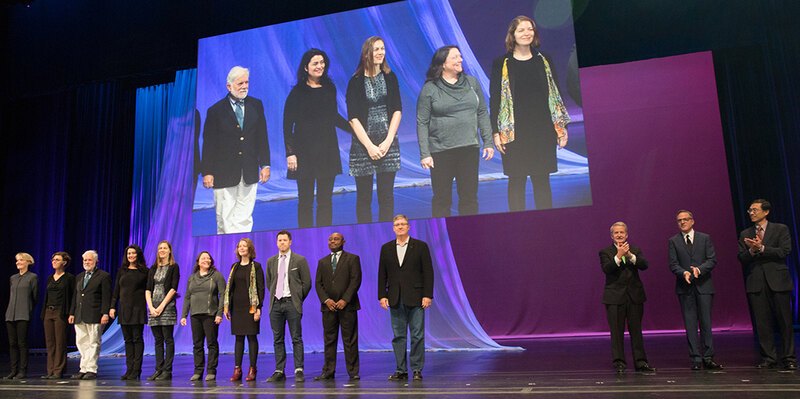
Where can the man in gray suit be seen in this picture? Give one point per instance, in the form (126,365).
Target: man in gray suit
(289,282)
(691,259)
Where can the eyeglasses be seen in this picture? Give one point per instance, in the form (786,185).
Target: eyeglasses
(681,220)
(753,210)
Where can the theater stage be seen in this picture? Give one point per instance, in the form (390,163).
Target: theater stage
(548,368)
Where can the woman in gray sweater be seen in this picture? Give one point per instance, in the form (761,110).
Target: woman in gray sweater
(24,290)
(202,298)
(451,111)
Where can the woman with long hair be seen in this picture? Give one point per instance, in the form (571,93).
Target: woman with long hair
(162,288)
(528,114)
(131,311)
(374,110)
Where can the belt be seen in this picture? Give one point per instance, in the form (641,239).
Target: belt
(53,307)
(284,299)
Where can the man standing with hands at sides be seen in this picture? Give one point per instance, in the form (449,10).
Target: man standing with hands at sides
(405,288)
(289,282)
(88,312)
(337,282)
(624,297)
(235,153)
(691,259)
(763,249)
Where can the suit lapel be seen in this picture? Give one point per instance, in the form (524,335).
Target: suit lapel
(768,233)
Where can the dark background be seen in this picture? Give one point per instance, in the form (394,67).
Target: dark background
(69,72)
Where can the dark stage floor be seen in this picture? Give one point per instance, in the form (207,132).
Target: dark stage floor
(548,368)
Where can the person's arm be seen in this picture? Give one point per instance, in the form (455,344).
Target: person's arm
(262,145)
(115,295)
(211,148)
(105,298)
(73,304)
(394,109)
(779,252)
(484,125)
(187,298)
(711,257)
(355,280)
(319,285)
(354,109)
(290,116)
(305,277)
(424,105)
(383,279)
(607,263)
(34,291)
(639,260)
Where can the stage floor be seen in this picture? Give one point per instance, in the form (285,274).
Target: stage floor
(548,368)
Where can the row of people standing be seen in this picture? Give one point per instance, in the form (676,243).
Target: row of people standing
(526,124)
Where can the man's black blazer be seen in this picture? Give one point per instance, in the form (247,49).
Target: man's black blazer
(681,260)
(770,265)
(413,279)
(343,284)
(230,153)
(91,303)
(622,281)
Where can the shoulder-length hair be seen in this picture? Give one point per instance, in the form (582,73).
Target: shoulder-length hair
(251,249)
(437,62)
(140,264)
(211,267)
(170,258)
(302,72)
(365,63)
(510,42)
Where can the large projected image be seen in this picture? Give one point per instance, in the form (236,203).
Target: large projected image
(426,108)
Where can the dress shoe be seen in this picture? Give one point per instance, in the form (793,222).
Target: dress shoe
(277,377)
(55,377)
(164,376)
(711,365)
(21,375)
(619,367)
(355,377)
(135,376)
(46,377)
(324,376)
(123,377)
(195,377)
(299,376)
(10,375)
(237,374)
(766,364)
(251,374)
(89,376)
(154,376)
(211,377)
(696,366)
(398,376)
(417,376)
(790,366)
(77,376)
(645,368)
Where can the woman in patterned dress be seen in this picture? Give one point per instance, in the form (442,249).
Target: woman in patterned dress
(162,286)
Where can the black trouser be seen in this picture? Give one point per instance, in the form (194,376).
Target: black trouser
(204,329)
(348,321)
(618,316)
(460,164)
(134,347)
(385,182)
(165,347)
(18,345)
(252,350)
(542,195)
(305,201)
(768,305)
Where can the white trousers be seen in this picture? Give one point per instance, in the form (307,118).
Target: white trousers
(87,339)
(234,206)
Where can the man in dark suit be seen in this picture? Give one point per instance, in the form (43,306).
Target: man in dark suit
(405,287)
(337,283)
(235,153)
(289,282)
(624,297)
(691,259)
(763,249)
(88,312)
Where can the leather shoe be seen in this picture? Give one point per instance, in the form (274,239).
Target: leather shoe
(417,376)
(790,366)
(397,376)
(251,374)
(696,366)
(154,375)
(237,374)
(164,376)
(324,376)
(355,377)
(46,377)
(645,368)
(619,367)
(89,376)
(711,365)
(211,377)
(195,377)
(277,377)
(77,376)
(766,364)
(10,375)
(299,376)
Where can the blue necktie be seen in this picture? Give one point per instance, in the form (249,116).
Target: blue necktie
(333,262)
(239,110)
(86,278)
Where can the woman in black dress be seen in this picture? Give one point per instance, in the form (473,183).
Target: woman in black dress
(374,110)
(131,311)
(244,297)
(162,288)
(528,113)
(310,119)
(57,297)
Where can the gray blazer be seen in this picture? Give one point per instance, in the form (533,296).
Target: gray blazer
(702,256)
(299,279)
(23,294)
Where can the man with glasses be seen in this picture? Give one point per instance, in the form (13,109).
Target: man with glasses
(405,288)
(763,249)
(691,259)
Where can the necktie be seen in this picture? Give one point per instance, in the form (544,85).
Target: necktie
(86,278)
(281,277)
(333,262)
(623,260)
(239,110)
(760,232)
(689,244)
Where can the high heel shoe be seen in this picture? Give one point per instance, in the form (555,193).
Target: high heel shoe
(251,374)
(237,374)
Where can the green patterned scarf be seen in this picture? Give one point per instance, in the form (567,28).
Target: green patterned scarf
(251,289)
(505,117)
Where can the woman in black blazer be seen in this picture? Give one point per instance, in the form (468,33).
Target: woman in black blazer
(374,110)
(131,311)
